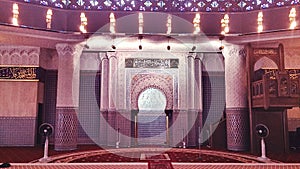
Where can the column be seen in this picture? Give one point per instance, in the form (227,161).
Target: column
(198,93)
(237,115)
(112,114)
(192,112)
(191,81)
(67,96)
(104,98)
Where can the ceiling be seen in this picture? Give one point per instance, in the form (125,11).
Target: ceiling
(165,5)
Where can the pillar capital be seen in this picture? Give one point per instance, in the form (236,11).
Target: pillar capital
(111,54)
(199,56)
(192,55)
(234,51)
(103,56)
(68,74)
(66,49)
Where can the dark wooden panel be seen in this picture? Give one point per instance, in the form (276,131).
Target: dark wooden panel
(275,120)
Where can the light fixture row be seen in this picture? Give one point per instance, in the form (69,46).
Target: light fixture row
(260,26)
(83,23)
(225,24)
(196,21)
(140,47)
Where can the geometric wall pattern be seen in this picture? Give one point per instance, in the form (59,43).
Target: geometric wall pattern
(66,128)
(17,131)
(237,122)
(141,82)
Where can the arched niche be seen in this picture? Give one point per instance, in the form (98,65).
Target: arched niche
(142,82)
(152,99)
(151,118)
(265,63)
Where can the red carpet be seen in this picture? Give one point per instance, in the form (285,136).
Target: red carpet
(160,165)
(28,154)
(160,161)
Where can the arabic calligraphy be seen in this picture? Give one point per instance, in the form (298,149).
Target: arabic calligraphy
(28,73)
(265,52)
(151,63)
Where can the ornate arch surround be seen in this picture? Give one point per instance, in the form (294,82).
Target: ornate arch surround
(142,82)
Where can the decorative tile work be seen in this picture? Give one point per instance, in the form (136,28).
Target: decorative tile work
(17,131)
(66,128)
(129,73)
(237,123)
(141,82)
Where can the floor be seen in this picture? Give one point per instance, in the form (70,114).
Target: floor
(145,166)
(95,157)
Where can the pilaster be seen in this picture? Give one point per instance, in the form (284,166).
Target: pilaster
(67,96)
(237,116)
(104,98)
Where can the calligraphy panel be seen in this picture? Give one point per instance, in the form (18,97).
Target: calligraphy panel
(19,73)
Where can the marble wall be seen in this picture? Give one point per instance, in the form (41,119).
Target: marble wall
(18,98)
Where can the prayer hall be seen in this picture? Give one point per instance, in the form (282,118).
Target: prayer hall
(154,84)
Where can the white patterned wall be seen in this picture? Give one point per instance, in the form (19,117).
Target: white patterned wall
(235,76)
(90,61)
(19,55)
(125,76)
(292,57)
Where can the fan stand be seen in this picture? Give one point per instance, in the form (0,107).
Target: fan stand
(45,159)
(263,156)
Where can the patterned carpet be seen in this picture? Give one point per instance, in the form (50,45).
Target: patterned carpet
(29,154)
(148,158)
(154,154)
(145,166)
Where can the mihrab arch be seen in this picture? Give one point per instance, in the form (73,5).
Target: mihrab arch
(142,82)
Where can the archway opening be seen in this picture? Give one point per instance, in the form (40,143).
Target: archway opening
(151,118)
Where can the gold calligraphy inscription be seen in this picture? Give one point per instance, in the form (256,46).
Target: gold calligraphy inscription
(18,73)
(265,51)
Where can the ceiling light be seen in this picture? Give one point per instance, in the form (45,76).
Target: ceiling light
(168,47)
